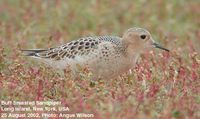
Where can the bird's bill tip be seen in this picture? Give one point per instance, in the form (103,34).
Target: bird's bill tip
(156,45)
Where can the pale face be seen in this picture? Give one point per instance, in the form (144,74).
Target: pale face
(140,40)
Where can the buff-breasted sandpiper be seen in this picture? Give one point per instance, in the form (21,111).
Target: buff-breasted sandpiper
(106,56)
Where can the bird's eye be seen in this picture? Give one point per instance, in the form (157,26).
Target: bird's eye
(143,36)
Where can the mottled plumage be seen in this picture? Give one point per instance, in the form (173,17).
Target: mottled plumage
(105,56)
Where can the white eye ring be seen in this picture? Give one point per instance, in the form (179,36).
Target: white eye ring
(143,36)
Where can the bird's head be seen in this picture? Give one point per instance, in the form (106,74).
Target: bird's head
(140,40)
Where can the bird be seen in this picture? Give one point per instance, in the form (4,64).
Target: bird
(107,57)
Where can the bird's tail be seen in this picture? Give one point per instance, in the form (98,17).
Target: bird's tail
(32,52)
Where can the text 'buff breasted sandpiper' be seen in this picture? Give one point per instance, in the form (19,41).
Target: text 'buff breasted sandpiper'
(106,56)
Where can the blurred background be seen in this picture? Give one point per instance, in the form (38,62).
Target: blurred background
(44,23)
(162,85)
